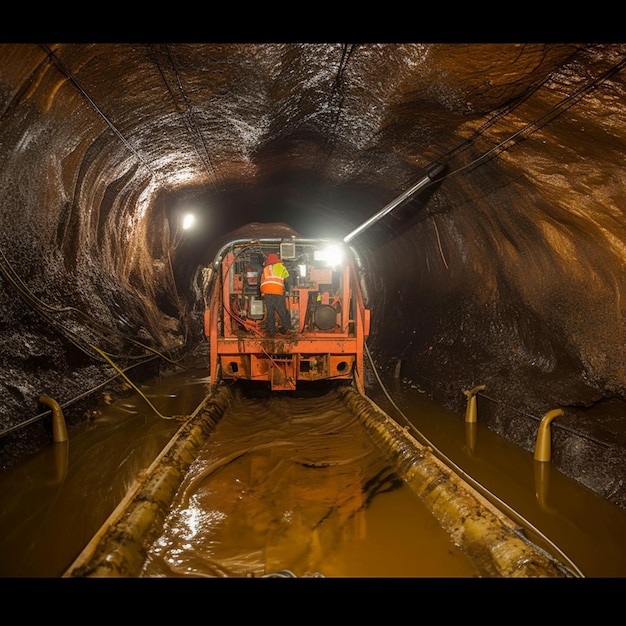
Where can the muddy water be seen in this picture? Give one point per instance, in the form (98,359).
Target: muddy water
(293,502)
(559,514)
(53,503)
(296,485)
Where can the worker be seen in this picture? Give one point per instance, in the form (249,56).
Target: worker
(274,283)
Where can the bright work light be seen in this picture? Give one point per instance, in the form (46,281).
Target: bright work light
(188,221)
(331,255)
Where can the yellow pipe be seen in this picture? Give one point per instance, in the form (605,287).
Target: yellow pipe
(542,447)
(470,412)
(491,540)
(119,548)
(59,430)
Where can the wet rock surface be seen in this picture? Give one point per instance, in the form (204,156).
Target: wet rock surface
(507,272)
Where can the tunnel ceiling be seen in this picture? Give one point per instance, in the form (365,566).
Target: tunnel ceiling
(508,271)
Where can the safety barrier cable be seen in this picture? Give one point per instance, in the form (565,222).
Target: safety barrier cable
(70,402)
(480,488)
(536,418)
(45,310)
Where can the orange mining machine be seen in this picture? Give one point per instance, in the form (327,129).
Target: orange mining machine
(329,320)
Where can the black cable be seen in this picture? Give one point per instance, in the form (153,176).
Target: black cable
(45,310)
(528,129)
(96,108)
(35,418)
(542,120)
(187,115)
(492,497)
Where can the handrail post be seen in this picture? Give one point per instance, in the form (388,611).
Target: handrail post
(543,445)
(59,429)
(470,412)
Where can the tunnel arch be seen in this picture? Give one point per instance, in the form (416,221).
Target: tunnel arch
(521,244)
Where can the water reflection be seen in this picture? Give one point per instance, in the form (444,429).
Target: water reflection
(352,520)
(54,501)
(296,484)
(558,512)
(542,486)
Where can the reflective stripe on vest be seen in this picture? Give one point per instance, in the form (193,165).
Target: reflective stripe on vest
(270,283)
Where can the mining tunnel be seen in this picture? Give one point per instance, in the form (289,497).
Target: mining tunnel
(505,275)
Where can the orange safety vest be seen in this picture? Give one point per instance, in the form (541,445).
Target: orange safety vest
(272,282)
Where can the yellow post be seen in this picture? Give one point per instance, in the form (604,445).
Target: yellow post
(59,430)
(543,445)
(470,412)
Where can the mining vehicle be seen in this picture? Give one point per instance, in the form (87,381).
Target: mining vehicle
(329,319)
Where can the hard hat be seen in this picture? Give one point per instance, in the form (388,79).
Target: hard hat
(272,258)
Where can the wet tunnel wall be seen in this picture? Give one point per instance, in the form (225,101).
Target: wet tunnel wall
(508,272)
